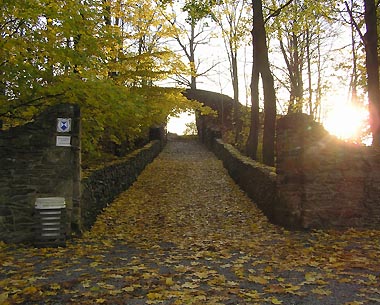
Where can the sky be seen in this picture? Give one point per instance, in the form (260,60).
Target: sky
(178,124)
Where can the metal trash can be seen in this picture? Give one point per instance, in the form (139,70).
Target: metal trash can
(50,221)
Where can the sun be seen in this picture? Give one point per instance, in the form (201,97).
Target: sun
(346,121)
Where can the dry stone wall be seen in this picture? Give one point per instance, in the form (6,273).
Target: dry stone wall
(318,182)
(101,186)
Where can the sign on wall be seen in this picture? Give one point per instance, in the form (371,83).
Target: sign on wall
(63,124)
(63,141)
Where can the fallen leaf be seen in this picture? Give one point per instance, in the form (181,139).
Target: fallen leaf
(169,281)
(311,277)
(257,279)
(154,296)
(275,301)
(190,285)
(3,297)
(254,294)
(30,290)
(55,286)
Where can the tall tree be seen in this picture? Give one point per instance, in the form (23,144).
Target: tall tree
(231,16)
(372,65)
(370,41)
(261,68)
(190,33)
(300,30)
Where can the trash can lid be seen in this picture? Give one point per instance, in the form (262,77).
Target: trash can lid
(50,203)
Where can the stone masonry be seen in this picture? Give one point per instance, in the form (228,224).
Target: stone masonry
(319,181)
(33,164)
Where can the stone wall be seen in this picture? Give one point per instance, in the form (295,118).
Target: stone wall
(324,182)
(33,165)
(101,186)
(318,182)
(256,179)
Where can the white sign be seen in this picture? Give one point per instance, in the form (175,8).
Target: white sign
(63,141)
(63,124)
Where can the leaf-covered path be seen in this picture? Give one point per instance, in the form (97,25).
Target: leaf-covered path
(184,233)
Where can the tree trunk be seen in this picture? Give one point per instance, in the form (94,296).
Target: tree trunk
(193,68)
(269,118)
(354,76)
(372,66)
(253,137)
(261,65)
(308,59)
(235,85)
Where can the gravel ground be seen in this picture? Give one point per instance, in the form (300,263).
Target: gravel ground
(184,233)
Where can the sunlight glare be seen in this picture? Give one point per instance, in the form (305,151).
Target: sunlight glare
(178,124)
(346,121)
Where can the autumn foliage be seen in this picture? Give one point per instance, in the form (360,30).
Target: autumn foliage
(106,56)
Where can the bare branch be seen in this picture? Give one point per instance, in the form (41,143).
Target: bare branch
(349,11)
(278,11)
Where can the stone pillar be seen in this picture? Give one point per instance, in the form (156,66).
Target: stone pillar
(299,143)
(63,157)
(158,133)
(293,135)
(40,159)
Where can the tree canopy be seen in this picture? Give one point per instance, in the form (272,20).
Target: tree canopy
(103,55)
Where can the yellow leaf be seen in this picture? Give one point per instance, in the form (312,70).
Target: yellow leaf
(268,269)
(372,277)
(275,301)
(128,289)
(55,286)
(200,298)
(100,301)
(30,290)
(94,264)
(169,281)
(190,285)
(3,297)
(202,275)
(154,296)
(252,294)
(257,279)
(311,277)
